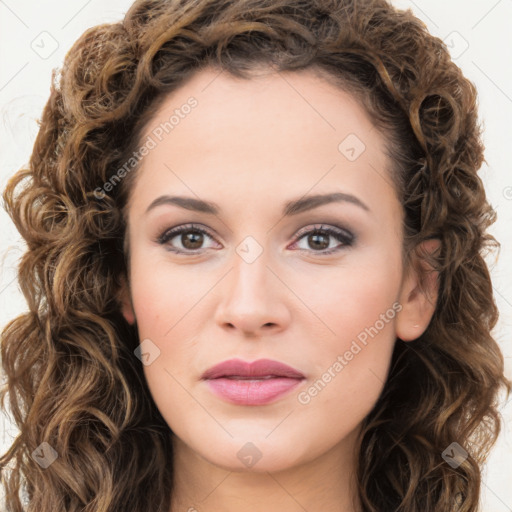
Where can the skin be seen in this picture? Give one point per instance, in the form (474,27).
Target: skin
(250,146)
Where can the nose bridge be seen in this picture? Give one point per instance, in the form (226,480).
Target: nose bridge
(250,274)
(252,298)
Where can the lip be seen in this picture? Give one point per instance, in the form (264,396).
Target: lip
(259,368)
(252,383)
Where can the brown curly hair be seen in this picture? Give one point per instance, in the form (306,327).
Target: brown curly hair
(71,375)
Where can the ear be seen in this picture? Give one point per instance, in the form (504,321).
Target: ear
(125,301)
(419,292)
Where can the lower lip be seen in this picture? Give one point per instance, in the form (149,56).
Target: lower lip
(252,392)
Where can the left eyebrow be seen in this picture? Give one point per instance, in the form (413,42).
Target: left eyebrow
(293,207)
(308,203)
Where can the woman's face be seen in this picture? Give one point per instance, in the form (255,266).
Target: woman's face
(259,283)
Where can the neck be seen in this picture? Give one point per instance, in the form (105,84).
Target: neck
(326,483)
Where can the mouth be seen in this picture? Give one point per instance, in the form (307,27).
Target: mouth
(242,377)
(258,383)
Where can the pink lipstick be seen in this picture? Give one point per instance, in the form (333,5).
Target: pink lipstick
(257,383)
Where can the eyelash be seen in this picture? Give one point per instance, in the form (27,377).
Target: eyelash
(342,235)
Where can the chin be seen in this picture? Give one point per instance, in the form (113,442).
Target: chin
(256,453)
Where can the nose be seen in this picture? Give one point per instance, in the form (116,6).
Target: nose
(254,300)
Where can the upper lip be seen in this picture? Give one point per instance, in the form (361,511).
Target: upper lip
(259,368)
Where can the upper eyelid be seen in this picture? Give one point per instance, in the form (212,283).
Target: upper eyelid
(322,227)
(186,227)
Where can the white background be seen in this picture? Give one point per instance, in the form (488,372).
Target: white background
(480,38)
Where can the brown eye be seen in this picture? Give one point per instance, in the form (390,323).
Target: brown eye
(192,239)
(184,239)
(318,239)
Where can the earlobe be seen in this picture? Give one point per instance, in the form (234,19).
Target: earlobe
(418,295)
(126,302)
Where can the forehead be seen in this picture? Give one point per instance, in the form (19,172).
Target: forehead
(278,131)
(240,109)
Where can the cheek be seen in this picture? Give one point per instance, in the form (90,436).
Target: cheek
(161,295)
(353,297)
(358,307)
(169,307)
